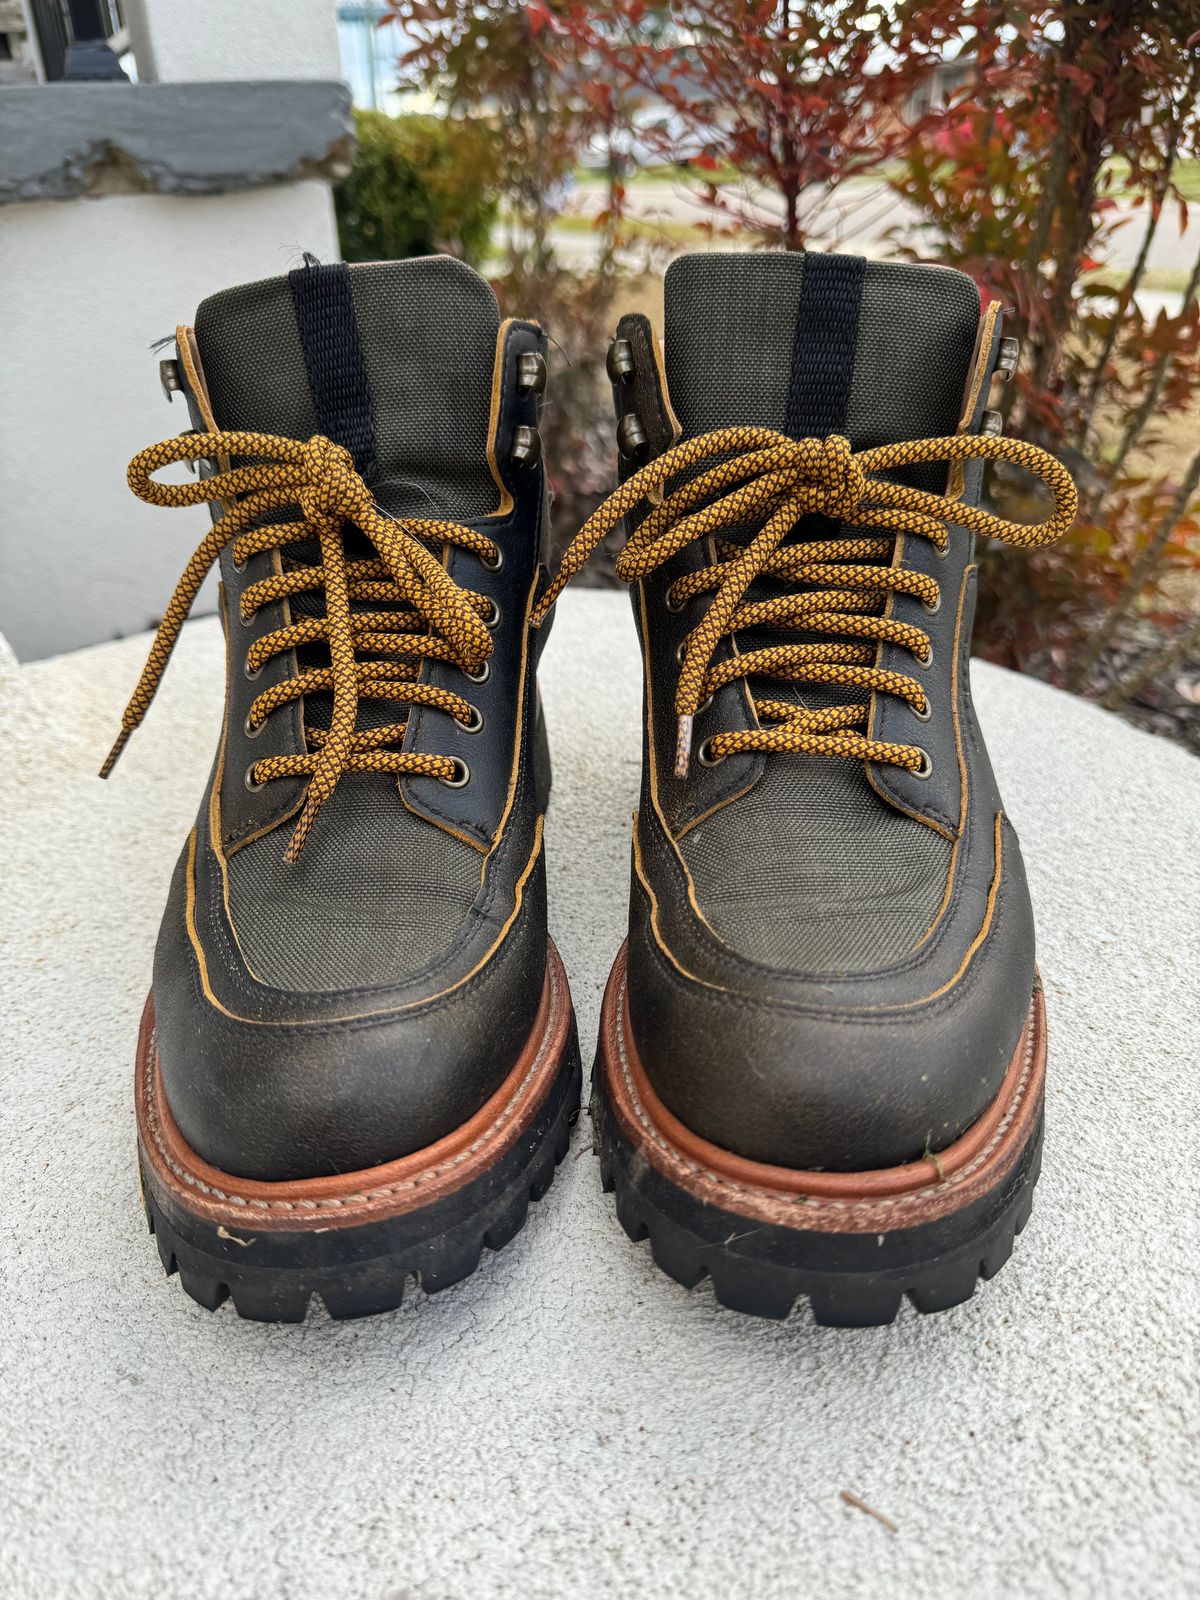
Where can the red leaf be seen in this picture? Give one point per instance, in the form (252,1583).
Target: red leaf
(540,16)
(1083,81)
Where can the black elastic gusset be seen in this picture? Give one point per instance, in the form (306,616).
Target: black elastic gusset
(334,361)
(824,345)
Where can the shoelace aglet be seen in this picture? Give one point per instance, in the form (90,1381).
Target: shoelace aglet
(683,746)
(114,755)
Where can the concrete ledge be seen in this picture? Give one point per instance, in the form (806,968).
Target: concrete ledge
(568,1422)
(65,140)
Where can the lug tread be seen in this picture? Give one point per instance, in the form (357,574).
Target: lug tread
(839,1301)
(764,1286)
(363,1288)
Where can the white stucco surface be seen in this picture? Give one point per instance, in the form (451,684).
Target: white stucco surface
(88,287)
(568,1421)
(185,41)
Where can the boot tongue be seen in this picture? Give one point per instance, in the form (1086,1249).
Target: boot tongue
(814,344)
(392,360)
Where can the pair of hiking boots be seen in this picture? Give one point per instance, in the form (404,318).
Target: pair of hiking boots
(822,1049)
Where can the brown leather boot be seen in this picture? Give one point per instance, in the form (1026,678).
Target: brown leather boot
(822,1051)
(358,1063)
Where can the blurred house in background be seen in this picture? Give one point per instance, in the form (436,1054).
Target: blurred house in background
(122,204)
(370,52)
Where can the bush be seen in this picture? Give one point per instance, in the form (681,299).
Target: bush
(419,185)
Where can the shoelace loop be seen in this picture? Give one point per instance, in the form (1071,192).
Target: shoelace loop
(839,586)
(427,617)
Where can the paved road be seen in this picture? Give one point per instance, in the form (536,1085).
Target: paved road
(865,218)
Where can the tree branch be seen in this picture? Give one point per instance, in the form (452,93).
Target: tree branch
(1161,662)
(1143,569)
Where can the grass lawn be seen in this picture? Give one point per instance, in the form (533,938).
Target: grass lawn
(1187,176)
(1161,281)
(636,228)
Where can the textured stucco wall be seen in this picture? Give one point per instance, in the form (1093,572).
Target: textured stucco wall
(189,41)
(88,286)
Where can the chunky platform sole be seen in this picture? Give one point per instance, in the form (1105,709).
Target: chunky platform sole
(854,1244)
(357,1238)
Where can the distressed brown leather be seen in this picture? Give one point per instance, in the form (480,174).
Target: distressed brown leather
(826,1202)
(412,1181)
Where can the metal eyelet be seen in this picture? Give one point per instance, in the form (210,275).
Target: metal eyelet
(492,618)
(251,673)
(526,446)
(481,674)
(927,659)
(941,551)
(935,607)
(247,621)
(171,379)
(1007,358)
(238,566)
(531,372)
(475,723)
(923,716)
(680,651)
(619,361)
(632,437)
(705,756)
(673,606)
(704,705)
(461,778)
(250,781)
(925,770)
(252,729)
(494,563)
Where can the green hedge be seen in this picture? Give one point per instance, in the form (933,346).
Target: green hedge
(419,185)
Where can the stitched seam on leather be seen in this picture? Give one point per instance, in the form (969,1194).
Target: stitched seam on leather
(935,1001)
(942,1000)
(365,1196)
(930,946)
(721,1184)
(507,404)
(495,417)
(489,963)
(650,759)
(880,722)
(658,935)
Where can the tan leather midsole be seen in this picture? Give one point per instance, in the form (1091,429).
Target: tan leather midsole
(877,1201)
(181,1177)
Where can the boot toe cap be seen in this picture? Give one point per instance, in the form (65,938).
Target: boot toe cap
(279,1085)
(824,1086)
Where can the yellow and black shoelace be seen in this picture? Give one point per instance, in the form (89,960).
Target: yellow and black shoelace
(423,614)
(835,586)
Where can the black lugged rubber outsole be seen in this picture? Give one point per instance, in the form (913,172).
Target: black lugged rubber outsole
(361,1270)
(851,1280)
